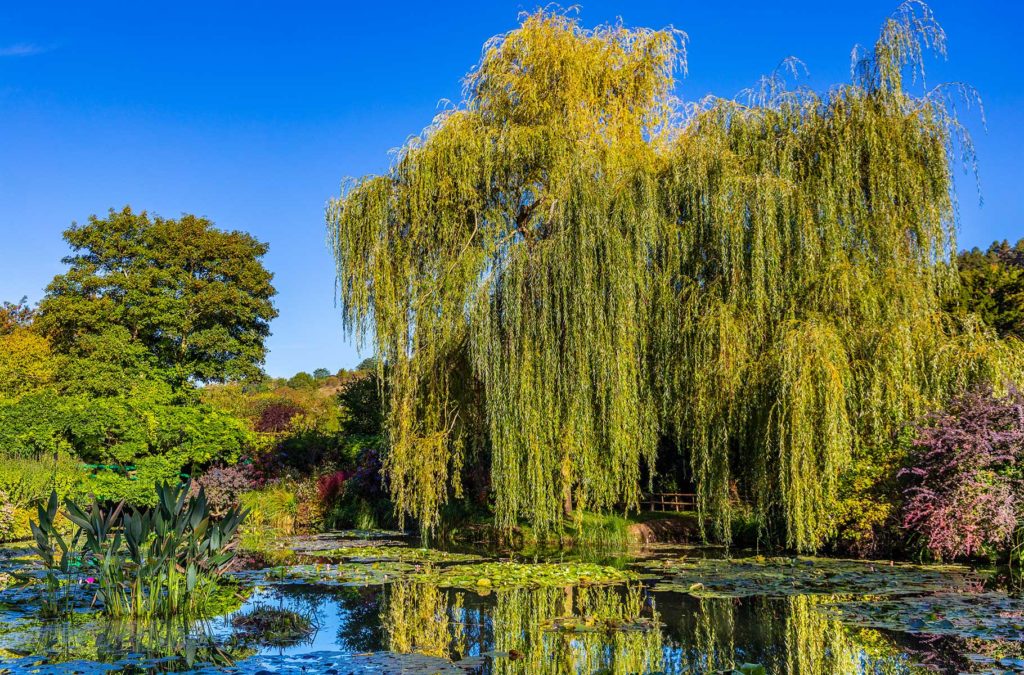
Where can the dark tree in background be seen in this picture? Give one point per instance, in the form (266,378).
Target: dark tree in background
(992,285)
(198,298)
(360,398)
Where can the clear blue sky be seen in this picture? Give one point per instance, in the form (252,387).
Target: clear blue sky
(252,114)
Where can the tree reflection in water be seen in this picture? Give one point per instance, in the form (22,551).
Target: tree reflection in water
(547,630)
(557,630)
(791,636)
(627,629)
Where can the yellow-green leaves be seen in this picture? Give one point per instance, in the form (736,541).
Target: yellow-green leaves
(566,270)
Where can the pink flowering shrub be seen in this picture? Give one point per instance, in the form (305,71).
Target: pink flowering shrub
(962,493)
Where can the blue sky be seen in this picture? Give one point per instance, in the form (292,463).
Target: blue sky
(252,114)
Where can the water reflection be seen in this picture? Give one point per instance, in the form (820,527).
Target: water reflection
(566,630)
(787,635)
(163,646)
(631,630)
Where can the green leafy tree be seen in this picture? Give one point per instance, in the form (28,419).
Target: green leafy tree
(26,363)
(302,380)
(992,285)
(367,364)
(361,403)
(15,315)
(321,374)
(107,405)
(197,298)
(570,266)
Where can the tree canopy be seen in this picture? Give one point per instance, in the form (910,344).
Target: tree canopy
(198,298)
(993,286)
(572,265)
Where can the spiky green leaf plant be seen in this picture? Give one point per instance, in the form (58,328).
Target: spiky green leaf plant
(159,562)
(572,264)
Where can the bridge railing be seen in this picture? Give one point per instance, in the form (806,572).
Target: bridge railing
(668,501)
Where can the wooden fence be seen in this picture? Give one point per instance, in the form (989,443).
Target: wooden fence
(669,501)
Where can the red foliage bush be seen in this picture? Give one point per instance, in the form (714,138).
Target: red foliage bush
(961,493)
(277,417)
(331,486)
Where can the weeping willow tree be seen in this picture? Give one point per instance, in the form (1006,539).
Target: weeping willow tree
(572,264)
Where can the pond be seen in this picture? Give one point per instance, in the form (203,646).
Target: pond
(375,603)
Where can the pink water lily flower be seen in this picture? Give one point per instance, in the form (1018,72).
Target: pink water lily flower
(90,580)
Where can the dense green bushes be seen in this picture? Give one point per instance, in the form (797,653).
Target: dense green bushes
(103,377)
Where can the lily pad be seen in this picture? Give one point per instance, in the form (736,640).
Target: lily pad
(988,616)
(504,575)
(401,553)
(345,574)
(782,577)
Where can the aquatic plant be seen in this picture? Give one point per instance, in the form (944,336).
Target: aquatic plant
(345,574)
(60,557)
(962,492)
(785,577)
(403,553)
(272,626)
(570,266)
(159,562)
(488,576)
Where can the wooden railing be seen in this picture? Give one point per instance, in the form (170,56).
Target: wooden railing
(669,501)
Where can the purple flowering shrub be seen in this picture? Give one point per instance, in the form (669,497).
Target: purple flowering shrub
(224,485)
(961,493)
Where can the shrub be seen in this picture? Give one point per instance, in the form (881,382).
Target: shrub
(7,517)
(26,481)
(961,494)
(272,512)
(277,417)
(137,488)
(224,486)
(330,486)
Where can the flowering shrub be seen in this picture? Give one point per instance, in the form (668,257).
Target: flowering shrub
(224,486)
(962,494)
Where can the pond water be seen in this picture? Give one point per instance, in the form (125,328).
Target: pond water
(382,605)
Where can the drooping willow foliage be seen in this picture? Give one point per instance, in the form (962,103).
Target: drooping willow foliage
(572,265)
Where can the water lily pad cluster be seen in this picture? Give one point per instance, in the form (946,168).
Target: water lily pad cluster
(332,541)
(483,577)
(345,574)
(988,616)
(272,626)
(781,577)
(401,553)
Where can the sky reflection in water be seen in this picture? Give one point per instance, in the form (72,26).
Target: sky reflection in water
(417,628)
